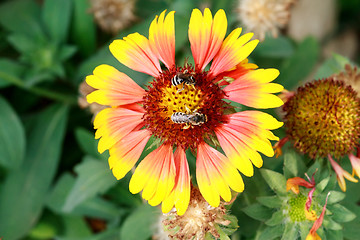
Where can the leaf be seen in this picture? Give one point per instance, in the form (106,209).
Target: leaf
(341,214)
(300,64)
(83,27)
(10,67)
(56,198)
(270,202)
(24,190)
(87,142)
(258,212)
(140,223)
(276,219)
(56,16)
(293,164)
(280,47)
(322,185)
(75,228)
(275,180)
(335,197)
(27,11)
(94,177)
(271,233)
(12,137)
(99,208)
(291,231)
(334,235)
(331,66)
(328,223)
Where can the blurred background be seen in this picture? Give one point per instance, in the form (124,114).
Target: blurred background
(53,182)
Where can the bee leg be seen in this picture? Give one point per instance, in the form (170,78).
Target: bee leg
(186,126)
(183,86)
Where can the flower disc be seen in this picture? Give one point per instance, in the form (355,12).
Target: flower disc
(323,117)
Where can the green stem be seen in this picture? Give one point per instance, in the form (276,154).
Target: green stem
(39,91)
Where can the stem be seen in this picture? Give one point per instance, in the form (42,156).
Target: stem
(39,91)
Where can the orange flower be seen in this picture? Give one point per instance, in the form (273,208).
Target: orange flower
(183,108)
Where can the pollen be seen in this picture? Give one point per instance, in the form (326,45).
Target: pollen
(323,117)
(163,99)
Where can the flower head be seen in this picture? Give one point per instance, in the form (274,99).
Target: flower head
(113,15)
(323,120)
(184,108)
(199,220)
(262,16)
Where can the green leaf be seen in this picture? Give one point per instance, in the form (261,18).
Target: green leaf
(270,202)
(328,223)
(98,208)
(56,16)
(83,28)
(322,185)
(10,67)
(293,164)
(280,47)
(341,214)
(56,198)
(140,224)
(304,229)
(300,64)
(291,231)
(335,197)
(258,212)
(24,190)
(334,235)
(331,66)
(94,177)
(276,219)
(75,228)
(87,142)
(275,180)
(12,137)
(271,233)
(14,14)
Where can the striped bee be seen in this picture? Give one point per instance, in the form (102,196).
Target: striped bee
(183,78)
(193,119)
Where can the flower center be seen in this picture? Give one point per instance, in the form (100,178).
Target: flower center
(183,106)
(323,118)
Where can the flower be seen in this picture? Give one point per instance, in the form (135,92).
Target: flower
(184,108)
(113,15)
(317,224)
(262,16)
(199,220)
(294,213)
(322,119)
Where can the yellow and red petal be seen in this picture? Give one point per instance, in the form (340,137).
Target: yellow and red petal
(126,152)
(341,174)
(254,89)
(233,50)
(241,69)
(215,174)
(114,88)
(206,35)
(294,183)
(155,175)
(135,52)
(162,38)
(243,135)
(113,124)
(317,224)
(180,195)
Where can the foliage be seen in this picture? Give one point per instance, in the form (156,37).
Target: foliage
(53,182)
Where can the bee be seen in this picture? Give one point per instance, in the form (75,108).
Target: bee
(183,78)
(192,119)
